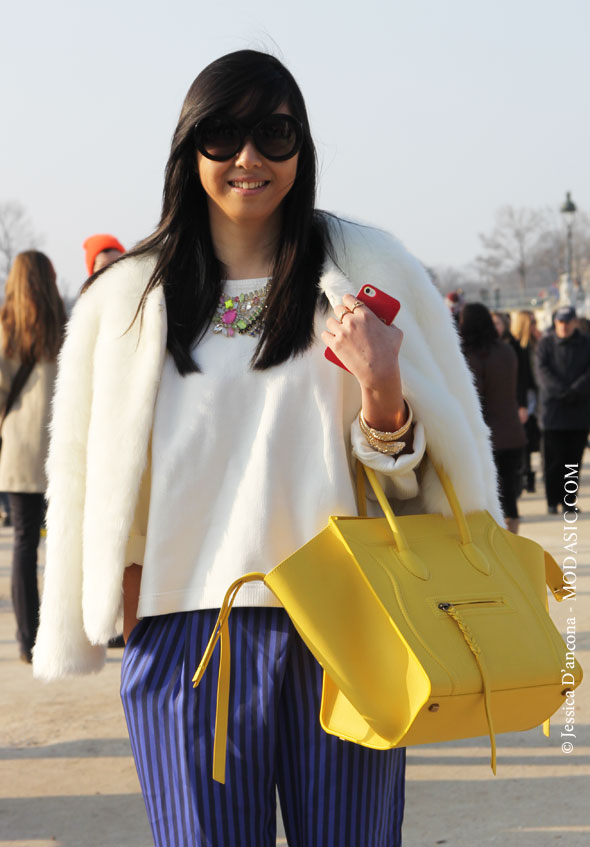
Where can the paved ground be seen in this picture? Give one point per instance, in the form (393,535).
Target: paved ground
(67,778)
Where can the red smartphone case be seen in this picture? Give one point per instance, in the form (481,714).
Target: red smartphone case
(382,304)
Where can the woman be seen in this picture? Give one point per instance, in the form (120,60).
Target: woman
(221,439)
(32,322)
(524,330)
(494,366)
(502,322)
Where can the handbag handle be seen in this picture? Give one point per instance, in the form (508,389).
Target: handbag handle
(409,559)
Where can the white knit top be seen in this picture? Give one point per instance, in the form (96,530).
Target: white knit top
(247,466)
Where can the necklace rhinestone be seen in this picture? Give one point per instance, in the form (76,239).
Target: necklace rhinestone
(242,314)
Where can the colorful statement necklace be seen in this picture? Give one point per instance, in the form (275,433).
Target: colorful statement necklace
(242,314)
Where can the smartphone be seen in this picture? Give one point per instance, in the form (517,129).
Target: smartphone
(382,304)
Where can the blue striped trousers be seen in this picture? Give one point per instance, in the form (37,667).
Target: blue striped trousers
(332,793)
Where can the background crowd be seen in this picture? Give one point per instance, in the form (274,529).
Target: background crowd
(535,394)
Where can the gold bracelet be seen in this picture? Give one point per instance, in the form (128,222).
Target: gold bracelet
(390,448)
(386,442)
(387,437)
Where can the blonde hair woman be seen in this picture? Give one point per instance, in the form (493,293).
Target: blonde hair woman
(32,323)
(523,326)
(524,329)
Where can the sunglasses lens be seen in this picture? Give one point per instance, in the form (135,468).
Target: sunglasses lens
(278,137)
(218,138)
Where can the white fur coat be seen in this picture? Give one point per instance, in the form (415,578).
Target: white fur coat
(102,417)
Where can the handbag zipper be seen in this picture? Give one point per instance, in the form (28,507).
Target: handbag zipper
(446,606)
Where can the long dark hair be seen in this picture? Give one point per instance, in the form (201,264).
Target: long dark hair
(477,329)
(33,315)
(251,84)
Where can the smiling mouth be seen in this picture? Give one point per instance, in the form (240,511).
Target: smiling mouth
(236,183)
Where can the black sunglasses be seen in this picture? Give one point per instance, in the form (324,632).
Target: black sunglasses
(277,137)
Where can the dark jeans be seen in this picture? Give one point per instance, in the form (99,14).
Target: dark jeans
(509,464)
(561,447)
(533,441)
(27,512)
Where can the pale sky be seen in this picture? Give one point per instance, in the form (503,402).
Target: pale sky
(428,115)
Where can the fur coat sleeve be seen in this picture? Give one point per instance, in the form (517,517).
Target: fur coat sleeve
(61,621)
(108,376)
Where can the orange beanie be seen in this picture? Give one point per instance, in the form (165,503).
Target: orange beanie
(96,244)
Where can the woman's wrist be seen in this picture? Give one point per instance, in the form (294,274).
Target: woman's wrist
(384,407)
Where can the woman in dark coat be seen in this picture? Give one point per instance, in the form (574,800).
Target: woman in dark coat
(495,366)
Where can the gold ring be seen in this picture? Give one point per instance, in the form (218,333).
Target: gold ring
(357,303)
(346,311)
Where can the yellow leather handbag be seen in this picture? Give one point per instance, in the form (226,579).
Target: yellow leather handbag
(428,628)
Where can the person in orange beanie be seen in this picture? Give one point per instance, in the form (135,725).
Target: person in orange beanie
(101,250)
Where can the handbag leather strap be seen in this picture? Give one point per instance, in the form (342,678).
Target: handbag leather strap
(18,383)
(476,650)
(553,573)
(410,560)
(447,485)
(221,631)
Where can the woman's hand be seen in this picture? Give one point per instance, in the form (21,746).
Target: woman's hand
(369,349)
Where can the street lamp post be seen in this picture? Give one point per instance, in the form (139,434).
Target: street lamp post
(566,294)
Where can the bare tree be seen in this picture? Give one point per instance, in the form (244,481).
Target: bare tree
(508,248)
(448,278)
(16,235)
(548,256)
(526,245)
